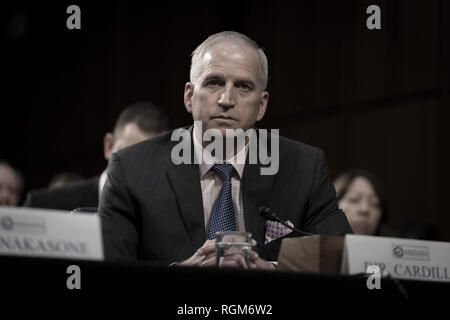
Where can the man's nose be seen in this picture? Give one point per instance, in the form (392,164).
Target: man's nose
(226,99)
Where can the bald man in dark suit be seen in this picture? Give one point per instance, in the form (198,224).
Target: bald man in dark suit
(154,208)
(137,122)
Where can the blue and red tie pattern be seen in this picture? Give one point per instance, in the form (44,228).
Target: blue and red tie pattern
(223,216)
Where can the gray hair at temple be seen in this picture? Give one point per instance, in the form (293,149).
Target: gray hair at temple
(228,36)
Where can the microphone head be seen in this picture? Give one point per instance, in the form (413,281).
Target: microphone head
(268,213)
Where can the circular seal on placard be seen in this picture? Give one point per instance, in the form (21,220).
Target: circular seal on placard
(398,251)
(7,223)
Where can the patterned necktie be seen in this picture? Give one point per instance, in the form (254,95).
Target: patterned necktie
(222,214)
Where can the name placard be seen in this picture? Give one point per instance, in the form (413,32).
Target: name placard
(50,233)
(400,258)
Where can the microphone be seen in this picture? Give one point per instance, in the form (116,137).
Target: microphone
(271,215)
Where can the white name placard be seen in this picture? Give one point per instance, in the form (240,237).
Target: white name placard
(400,258)
(50,233)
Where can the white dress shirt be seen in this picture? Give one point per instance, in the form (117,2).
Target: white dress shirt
(101,183)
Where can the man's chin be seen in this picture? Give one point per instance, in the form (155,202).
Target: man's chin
(223,129)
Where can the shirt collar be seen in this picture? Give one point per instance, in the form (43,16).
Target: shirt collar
(101,182)
(209,160)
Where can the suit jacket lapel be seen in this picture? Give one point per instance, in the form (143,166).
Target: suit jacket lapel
(185,182)
(256,189)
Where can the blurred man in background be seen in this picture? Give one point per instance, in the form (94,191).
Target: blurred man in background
(61,179)
(11,184)
(137,122)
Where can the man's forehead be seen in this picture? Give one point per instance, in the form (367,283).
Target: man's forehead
(7,172)
(230,50)
(6,168)
(230,56)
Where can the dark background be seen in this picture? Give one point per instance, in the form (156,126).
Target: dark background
(377,100)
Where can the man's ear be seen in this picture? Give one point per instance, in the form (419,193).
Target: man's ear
(108,145)
(188,92)
(262,105)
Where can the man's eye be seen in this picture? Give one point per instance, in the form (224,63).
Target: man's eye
(243,86)
(213,83)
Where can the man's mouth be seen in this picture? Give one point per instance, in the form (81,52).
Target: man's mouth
(223,117)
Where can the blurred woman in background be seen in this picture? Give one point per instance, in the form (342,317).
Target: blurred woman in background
(361,197)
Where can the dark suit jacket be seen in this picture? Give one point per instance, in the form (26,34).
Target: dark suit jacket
(83,193)
(152,209)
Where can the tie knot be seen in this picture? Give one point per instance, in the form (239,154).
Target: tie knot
(223,170)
